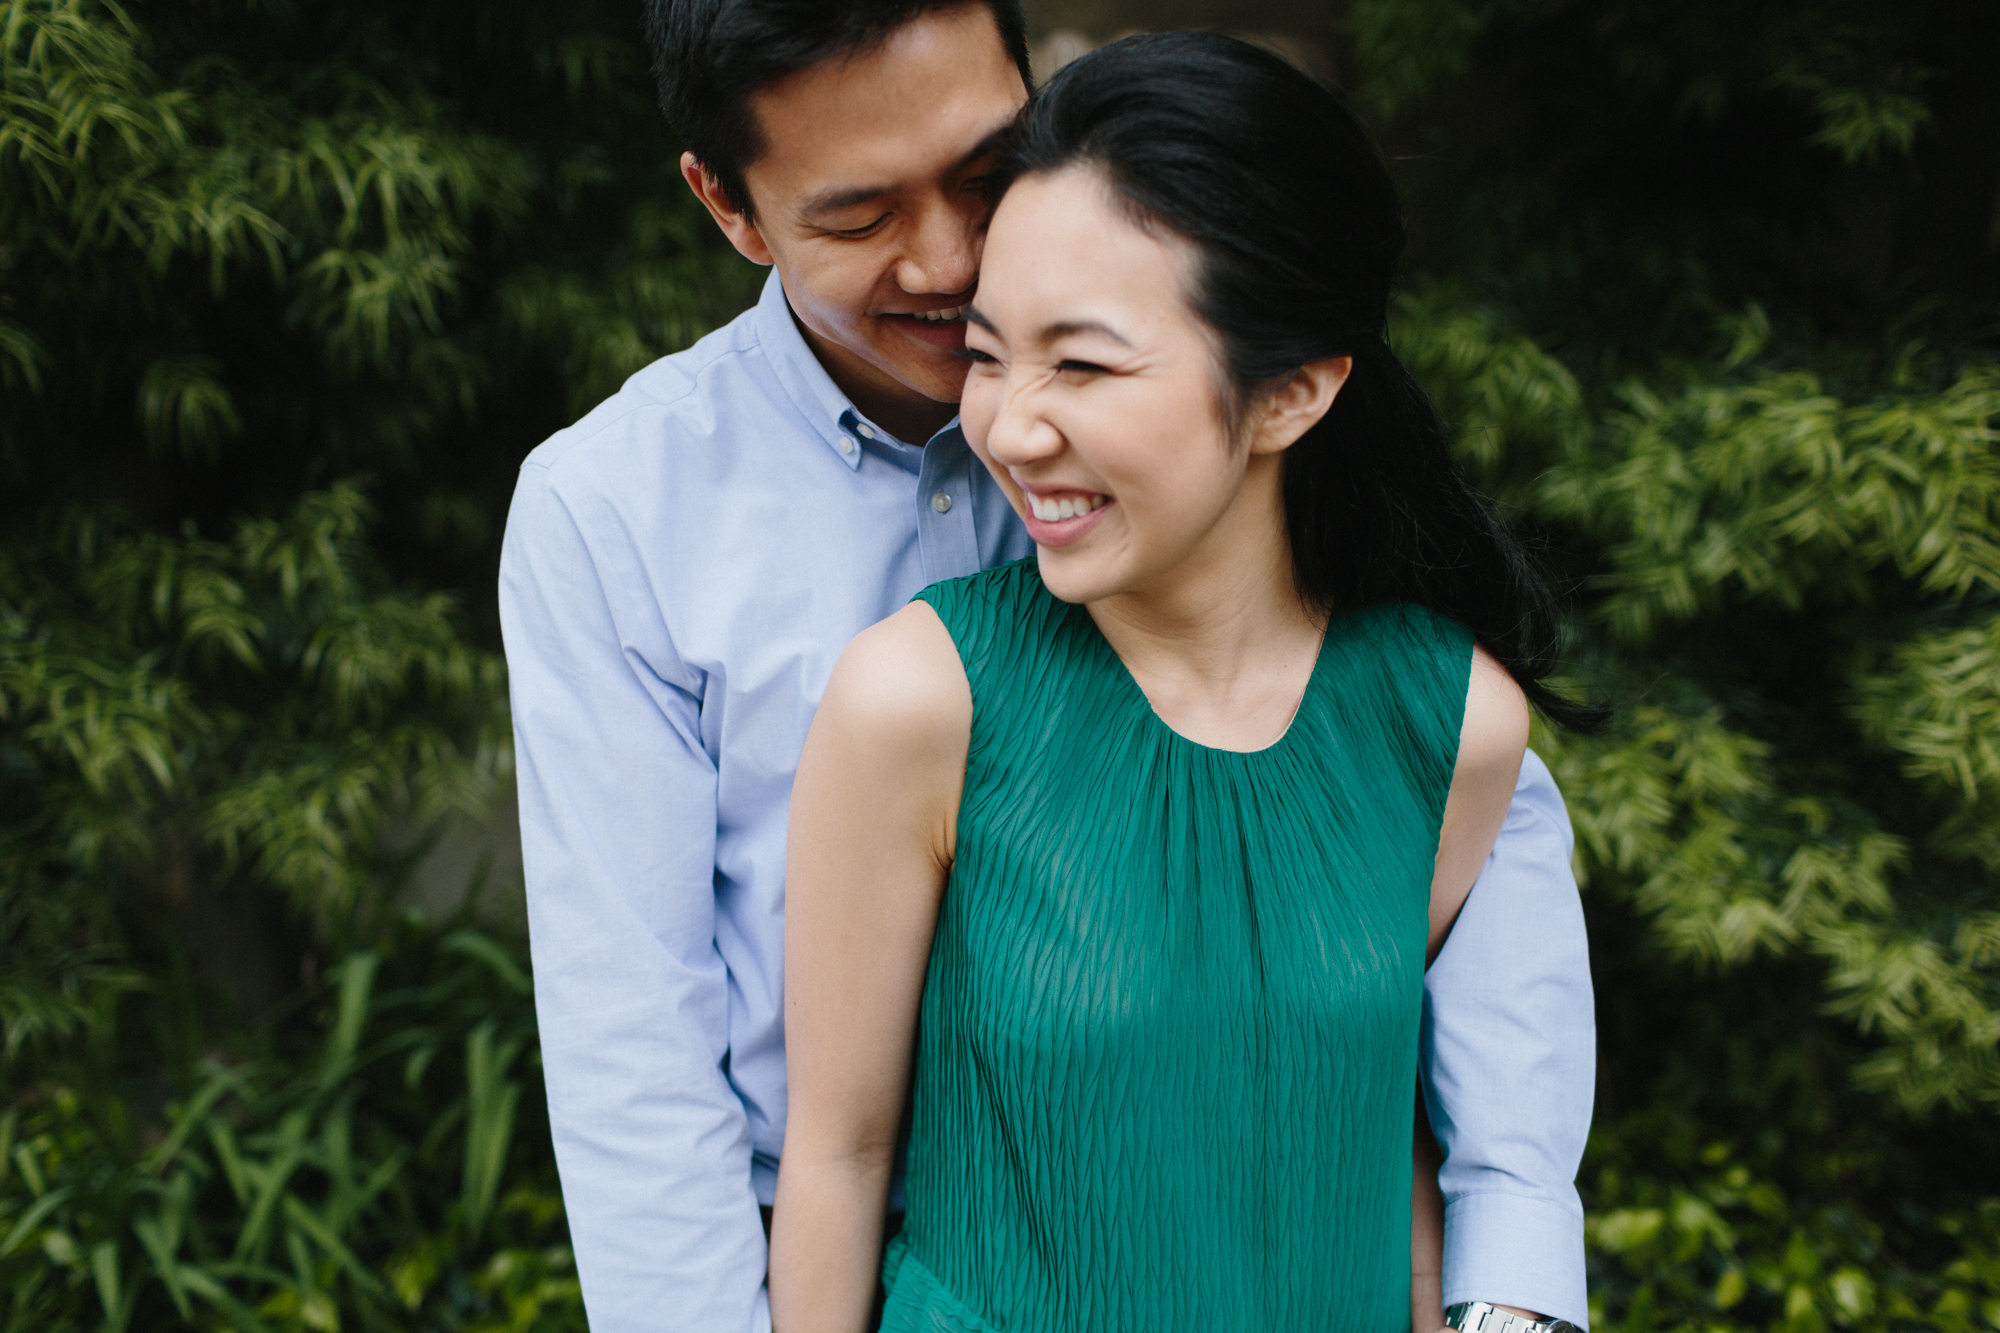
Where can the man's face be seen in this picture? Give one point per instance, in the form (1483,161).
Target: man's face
(868,199)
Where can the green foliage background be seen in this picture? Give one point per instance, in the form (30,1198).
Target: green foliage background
(1708,290)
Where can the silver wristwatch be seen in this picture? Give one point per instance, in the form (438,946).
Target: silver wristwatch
(1479,1317)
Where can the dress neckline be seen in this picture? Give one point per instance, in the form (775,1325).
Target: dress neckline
(1138,693)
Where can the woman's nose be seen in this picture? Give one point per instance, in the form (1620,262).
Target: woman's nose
(1020,434)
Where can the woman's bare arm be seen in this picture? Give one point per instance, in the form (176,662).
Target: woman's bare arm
(1491,742)
(873,825)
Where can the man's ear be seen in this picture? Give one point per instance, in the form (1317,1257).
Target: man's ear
(1295,404)
(740,230)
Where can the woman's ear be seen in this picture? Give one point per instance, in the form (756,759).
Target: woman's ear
(1295,404)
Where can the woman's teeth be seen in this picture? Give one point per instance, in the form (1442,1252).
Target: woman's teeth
(941,316)
(1070,506)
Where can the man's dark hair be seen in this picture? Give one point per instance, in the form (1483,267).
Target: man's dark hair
(710,57)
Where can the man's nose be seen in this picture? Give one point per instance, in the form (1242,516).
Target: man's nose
(942,254)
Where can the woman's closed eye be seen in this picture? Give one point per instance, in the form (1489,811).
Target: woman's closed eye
(1065,367)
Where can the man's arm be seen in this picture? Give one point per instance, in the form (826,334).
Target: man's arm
(1509,1057)
(618,840)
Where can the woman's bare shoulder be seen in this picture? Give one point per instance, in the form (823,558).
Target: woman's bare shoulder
(901,684)
(1492,741)
(1494,734)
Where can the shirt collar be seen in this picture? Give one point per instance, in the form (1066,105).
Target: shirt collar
(839,423)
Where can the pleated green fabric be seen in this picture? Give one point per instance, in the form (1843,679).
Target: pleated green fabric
(1166,1064)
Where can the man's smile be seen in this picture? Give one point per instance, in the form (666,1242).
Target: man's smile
(943,329)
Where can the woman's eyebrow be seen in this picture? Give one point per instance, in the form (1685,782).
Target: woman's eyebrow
(1065,328)
(1062,328)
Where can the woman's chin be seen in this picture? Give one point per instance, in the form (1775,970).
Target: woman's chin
(1076,577)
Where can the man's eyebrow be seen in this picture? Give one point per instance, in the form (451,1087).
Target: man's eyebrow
(989,145)
(837,197)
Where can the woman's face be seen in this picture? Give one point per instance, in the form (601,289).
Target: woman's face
(1093,397)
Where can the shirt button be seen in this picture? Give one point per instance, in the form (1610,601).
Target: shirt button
(865,431)
(846,446)
(941,502)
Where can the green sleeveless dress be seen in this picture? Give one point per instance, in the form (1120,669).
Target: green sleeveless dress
(1166,1065)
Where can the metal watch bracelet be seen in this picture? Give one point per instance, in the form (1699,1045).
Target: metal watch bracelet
(1479,1317)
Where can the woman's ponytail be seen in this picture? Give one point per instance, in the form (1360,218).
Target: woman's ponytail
(1377,513)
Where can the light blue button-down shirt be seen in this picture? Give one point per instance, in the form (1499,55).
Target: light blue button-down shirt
(682,567)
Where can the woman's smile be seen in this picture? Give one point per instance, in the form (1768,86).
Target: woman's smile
(1058,518)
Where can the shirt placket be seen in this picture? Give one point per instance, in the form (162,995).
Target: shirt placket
(947,537)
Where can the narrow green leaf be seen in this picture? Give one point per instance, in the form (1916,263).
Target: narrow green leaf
(31,1219)
(490,1098)
(357,980)
(487,950)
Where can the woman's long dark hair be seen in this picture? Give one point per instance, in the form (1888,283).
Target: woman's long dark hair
(1287,200)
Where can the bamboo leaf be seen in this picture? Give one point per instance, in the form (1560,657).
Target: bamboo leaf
(491,1098)
(37,1211)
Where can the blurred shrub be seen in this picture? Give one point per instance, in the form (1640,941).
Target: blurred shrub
(285,294)
(179,706)
(1707,1242)
(1749,517)
(393,1175)
(1708,292)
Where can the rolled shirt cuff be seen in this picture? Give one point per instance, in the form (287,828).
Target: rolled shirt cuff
(1509,1249)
